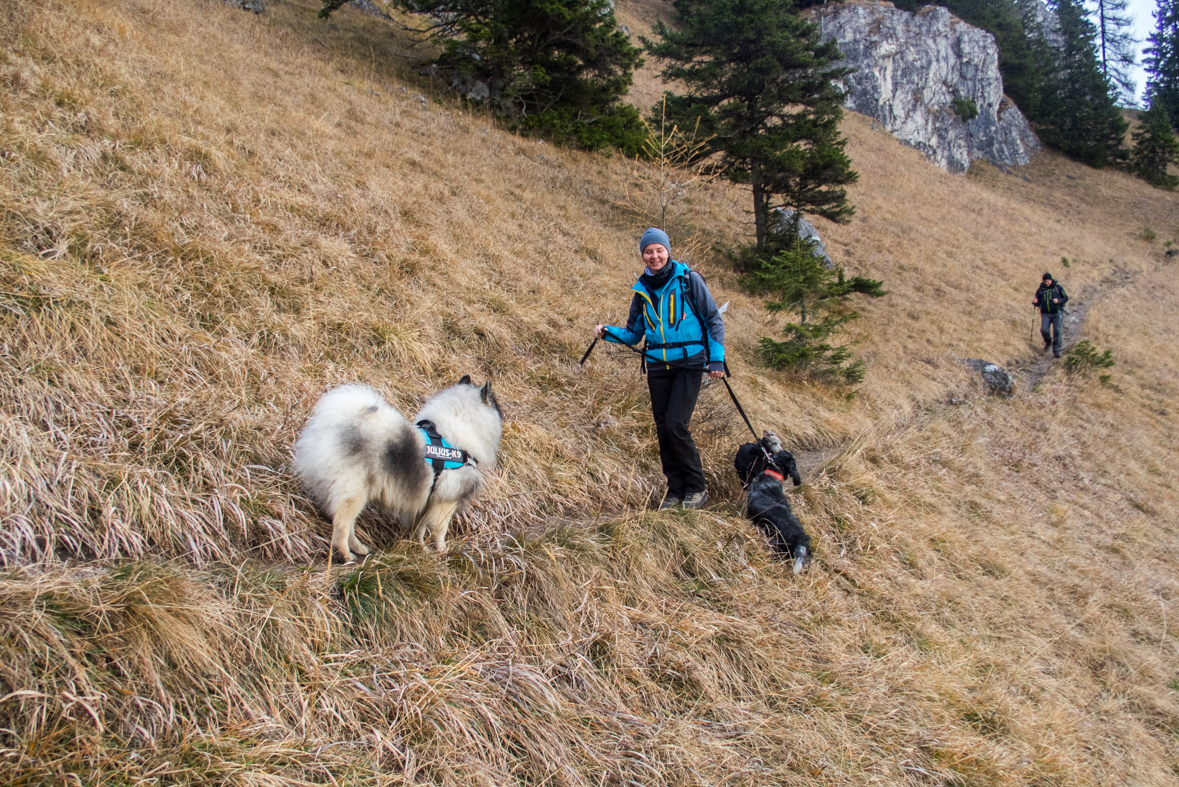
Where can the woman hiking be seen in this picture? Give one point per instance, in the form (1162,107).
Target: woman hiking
(685,337)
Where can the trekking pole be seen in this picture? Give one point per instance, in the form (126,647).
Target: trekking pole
(1034,310)
(587,352)
(590,349)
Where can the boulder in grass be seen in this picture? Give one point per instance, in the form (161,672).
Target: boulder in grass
(781,222)
(255,6)
(369,7)
(996,378)
(474,89)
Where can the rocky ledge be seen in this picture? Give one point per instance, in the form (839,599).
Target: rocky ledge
(931,80)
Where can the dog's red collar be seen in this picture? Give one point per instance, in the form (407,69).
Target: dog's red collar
(775,475)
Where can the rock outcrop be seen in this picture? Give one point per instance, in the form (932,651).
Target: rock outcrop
(254,6)
(931,80)
(995,377)
(781,223)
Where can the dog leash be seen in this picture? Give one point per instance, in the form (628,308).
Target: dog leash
(724,380)
(741,410)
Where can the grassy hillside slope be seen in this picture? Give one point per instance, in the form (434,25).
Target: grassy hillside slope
(209,218)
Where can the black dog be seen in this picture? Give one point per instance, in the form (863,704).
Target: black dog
(753,458)
(766,505)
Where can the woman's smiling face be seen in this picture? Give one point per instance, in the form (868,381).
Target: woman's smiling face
(655,256)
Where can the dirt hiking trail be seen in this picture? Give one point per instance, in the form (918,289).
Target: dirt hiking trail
(1074,322)
(1028,375)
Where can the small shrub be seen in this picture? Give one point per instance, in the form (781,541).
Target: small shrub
(1148,234)
(1083,357)
(809,356)
(1064,262)
(965,108)
(799,283)
(602,128)
(668,163)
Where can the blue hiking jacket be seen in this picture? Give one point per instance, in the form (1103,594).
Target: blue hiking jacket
(680,322)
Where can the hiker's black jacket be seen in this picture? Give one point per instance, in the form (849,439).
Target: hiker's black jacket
(1044,296)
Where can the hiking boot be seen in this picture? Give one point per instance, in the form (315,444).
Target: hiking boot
(670,502)
(696,500)
(1056,353)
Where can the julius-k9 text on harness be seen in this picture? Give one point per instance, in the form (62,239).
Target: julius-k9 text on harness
(440,455)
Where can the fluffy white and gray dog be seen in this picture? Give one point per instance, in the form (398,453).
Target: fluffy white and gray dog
(357,449)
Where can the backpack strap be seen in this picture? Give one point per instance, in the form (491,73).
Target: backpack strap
(690,299)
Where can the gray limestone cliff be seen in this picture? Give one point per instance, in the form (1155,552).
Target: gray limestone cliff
(922,76)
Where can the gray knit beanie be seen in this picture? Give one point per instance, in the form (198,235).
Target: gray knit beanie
(654,235)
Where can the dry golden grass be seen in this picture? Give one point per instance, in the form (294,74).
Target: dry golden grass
(207,219)
(640,16)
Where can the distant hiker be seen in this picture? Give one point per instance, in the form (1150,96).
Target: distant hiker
(685,336)
(1050,300)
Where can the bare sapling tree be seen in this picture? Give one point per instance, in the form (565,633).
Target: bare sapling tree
(670,163)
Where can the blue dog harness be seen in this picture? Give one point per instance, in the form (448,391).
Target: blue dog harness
(441,455)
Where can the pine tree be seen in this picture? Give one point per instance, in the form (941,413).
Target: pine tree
(798,281)
(1116,47)
(1076,113)
(557,67)
(1155,147)
(762,84)
(1162,60)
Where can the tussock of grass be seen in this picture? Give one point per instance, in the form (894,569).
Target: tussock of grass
(652,650)
(194,247)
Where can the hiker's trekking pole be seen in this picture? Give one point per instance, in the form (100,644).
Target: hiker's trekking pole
(1034,311)
(587,352)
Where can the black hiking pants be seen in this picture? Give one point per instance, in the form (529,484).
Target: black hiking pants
(673,398)
(1052,329)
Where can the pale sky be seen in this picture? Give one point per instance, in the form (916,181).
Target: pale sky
(1143,13)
